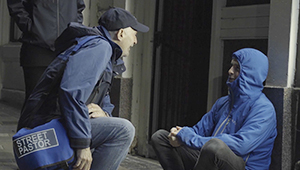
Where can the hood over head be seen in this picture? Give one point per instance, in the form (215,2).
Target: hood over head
(254,67)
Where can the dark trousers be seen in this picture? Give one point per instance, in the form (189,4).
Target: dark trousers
(214,155)
(34,60)
(31,77)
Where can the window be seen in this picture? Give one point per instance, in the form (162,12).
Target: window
(231,3)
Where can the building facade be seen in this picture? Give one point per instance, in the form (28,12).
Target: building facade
(178,69)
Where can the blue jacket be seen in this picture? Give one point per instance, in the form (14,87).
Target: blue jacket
(245,119)
(82,73)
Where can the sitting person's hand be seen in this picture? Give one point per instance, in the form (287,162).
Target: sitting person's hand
(172,136)
(96,111)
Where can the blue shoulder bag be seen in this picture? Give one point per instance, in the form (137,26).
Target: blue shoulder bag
(45,146)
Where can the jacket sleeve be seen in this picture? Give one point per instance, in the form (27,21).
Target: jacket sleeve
(80,8)
(20,13)
(257,128)
(192,136)
(80,76)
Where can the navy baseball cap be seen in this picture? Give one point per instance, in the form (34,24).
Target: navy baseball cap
(116,18)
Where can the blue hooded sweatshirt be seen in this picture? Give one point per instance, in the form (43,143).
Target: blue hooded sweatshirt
(245,119)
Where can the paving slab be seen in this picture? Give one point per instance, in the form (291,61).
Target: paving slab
(139,163)
(8,122)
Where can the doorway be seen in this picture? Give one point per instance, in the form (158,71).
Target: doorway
(181,63)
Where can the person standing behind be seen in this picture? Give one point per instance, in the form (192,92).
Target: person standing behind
(41,22)
(237,133)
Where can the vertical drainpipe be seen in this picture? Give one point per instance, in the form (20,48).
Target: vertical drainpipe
(293,43)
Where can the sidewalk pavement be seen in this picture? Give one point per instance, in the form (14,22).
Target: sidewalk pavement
(8,122)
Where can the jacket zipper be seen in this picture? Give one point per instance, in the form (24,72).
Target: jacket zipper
(227,120)
(247,158)
(226,124)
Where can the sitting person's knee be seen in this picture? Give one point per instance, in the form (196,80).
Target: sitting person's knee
(213,146)
(158,135)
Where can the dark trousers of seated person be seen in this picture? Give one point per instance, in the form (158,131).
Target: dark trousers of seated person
(214,155)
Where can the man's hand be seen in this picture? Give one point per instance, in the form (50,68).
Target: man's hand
(96,111)
(84,159)
(172,136)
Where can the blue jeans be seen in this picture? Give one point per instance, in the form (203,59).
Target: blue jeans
(111,139)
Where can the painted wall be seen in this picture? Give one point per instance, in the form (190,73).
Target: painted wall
(11,78)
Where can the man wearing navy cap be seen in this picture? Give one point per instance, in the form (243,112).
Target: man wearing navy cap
(86,111)
(109,137)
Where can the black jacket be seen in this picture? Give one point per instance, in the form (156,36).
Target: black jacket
(42,21)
